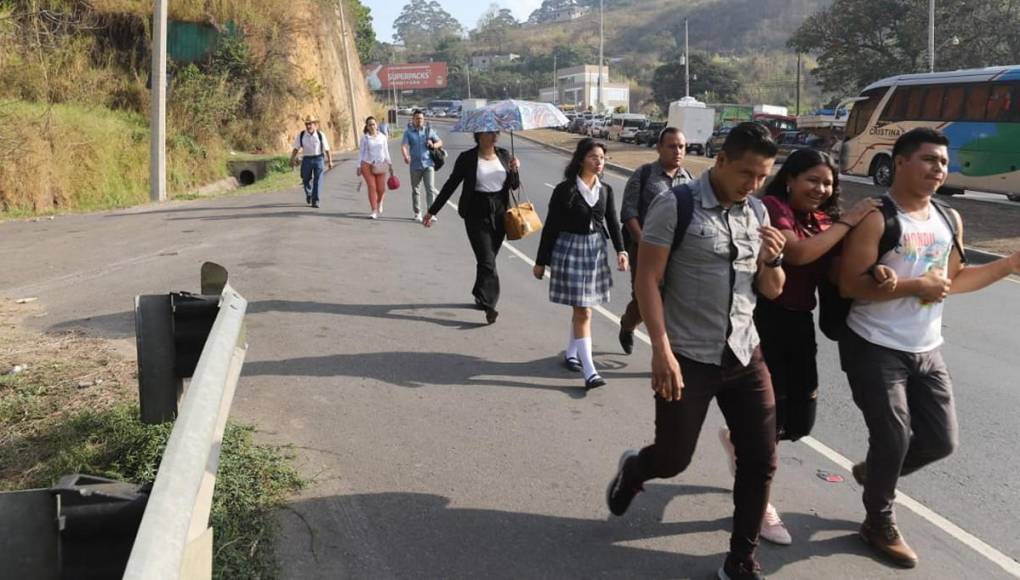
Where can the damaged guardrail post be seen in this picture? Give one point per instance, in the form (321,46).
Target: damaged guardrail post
(174,539)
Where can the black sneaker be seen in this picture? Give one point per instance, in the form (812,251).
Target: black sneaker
(490,315)
(734,569)
(308,200)
(315,204)
(618,494)
(627,340)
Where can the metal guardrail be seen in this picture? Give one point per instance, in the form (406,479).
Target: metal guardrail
(174,539)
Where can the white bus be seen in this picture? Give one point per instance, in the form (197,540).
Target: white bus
(977,109)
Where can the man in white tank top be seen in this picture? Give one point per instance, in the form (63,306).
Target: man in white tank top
(896,331)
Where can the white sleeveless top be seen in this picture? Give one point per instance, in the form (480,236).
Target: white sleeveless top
(906,324)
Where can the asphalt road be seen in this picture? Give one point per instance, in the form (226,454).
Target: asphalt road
(441,447)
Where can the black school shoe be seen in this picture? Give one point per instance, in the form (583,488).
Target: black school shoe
(572,363)
(594,382)
(734,569)
(490,315)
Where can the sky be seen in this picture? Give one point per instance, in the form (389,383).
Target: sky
(467,12)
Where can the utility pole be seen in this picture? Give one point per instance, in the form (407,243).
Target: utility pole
(602,24)
(467,68)
(556,91)
(798,83)
(347,66)
(687,63)
(931,35)
(157,142)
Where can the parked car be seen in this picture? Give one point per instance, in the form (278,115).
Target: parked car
(598,128)
(715,142)
(405,110)
(790,141)
(628,134)
(628,122)
(576,124)
(650,134)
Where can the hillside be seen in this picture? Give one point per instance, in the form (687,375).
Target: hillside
(74,87)
(749,35)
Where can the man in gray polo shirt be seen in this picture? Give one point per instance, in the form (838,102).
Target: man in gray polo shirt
(704,343)
(644,185)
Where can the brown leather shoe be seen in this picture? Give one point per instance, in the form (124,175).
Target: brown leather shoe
(887,541)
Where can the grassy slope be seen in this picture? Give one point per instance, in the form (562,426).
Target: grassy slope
(88,158)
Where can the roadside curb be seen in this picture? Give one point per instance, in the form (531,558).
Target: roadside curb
(973,256)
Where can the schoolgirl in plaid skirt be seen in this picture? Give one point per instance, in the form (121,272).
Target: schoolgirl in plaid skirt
(582,216)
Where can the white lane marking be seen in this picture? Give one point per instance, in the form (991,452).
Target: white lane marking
(963,536)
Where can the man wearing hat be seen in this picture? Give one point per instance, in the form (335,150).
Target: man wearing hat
(314,147)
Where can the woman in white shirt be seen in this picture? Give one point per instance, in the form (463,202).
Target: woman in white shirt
(375,164)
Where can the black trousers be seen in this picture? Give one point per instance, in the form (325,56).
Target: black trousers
(744,395)
(485,231)
(632,316)
(788,343)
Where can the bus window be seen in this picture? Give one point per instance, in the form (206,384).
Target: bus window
(860,114)
(999,104)
(914,103)
(977,100)
(893,111)
(953,107)
(932,108)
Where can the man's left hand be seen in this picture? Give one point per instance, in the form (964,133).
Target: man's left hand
(772,243)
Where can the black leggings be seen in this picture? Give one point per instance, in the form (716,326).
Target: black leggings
(788,343)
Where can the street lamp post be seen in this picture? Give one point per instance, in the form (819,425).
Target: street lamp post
(602,23)
(931,35)
(157,138)
(687,63)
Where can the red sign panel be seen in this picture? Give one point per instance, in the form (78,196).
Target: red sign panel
(426,75)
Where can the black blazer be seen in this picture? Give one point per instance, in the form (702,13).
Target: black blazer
(465,170)
(568,212)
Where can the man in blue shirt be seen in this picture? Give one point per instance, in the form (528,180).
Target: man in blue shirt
(419,139)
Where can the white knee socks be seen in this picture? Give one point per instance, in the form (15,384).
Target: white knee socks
(584,353)
(571,351)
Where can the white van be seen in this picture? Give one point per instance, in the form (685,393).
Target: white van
(624,126)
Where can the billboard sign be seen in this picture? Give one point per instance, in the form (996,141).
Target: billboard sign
(426,75)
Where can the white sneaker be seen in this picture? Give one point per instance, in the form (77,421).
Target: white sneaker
(417,217)
(380,208)
(434,219)
(731,454)
(374,215)
(773,529)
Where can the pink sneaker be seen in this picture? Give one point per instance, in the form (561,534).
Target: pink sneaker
(773,529)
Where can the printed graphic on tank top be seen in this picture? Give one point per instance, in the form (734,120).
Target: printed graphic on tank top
(908,324)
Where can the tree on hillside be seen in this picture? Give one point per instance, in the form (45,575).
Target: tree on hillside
(422,23)
(710,81)
(860,41)
(364,34)
(494,26)
(566,56)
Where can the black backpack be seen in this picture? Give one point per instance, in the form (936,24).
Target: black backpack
(301,139)
(645,172)
(833,308)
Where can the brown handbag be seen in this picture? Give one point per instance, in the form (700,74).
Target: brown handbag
(521,219)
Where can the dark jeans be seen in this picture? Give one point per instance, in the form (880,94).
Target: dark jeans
(632,316)
(788,344)
(744,395)
(311,172)
(907,402)
(484,225)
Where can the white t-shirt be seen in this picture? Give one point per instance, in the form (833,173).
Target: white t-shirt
(907,324)
(375,149)
(309,143)
(490,176)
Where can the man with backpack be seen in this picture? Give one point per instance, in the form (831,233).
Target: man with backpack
(420,140)
(648,181)
(890,350)
(706,249)
(314,146)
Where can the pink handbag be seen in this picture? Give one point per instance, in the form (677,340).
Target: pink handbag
(393,183)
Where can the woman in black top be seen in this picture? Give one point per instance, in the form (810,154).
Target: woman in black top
(488,173)
(582,214)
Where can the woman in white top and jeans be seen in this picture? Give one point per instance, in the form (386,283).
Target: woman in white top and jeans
(375,164)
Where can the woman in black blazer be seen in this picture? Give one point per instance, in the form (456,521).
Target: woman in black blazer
(488,174)
(582,215)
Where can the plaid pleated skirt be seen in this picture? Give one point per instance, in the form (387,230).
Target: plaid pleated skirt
(580,270)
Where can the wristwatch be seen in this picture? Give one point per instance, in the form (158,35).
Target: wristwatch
(776,262)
